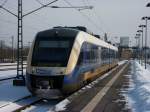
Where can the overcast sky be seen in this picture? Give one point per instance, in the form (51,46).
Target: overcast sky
(115,17)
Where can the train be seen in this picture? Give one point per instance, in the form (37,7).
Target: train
(61,60)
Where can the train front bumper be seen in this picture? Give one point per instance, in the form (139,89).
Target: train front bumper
(48,87)
(48,93)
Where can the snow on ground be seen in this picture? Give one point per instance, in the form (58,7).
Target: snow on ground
(138,96)
(7,63)
(9,67)
(8,74)
(60,106)
(43,106)
(11,63)
(122,62)
(14,106)
(10,93)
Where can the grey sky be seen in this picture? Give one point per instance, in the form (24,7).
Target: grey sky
(116,17)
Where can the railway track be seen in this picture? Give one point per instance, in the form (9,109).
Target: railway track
(30,103)
(19,104)
(6,67)
(41,106)
(9,78)
(10,65)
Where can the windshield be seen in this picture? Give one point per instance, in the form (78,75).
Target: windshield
(51,52)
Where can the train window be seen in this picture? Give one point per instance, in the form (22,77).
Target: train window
(54,44)
(105,55)
(80,59)
(84,55)
(52,52)
(89,54)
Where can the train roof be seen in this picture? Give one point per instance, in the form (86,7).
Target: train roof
(96,41)
(60,32)
(72,33)
(79,28)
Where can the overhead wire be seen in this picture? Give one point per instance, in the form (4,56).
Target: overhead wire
(4,3)
(42,4)
(14,23)
(86,17)
(108,31)
(7,21)
(85,2)
(38,1)
(96,16)
(11,22)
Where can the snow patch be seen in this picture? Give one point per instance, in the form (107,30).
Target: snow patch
(121,62)
(10,93)
(8,74)
(88,86)
(60,106)
(138,96)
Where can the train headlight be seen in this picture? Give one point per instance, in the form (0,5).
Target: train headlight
(33,70)
(61,73)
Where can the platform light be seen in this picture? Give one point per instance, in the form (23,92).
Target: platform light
(148,5)
(146,18)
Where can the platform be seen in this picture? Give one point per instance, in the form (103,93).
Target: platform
(110,97)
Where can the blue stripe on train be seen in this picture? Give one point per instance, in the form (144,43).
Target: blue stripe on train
(73,77)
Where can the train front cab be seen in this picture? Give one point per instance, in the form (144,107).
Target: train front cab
(47,62)
(83,61)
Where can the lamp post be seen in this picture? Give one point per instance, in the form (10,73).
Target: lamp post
(146,19)
(140,50)
(148,5)
(137,37)
(142,26)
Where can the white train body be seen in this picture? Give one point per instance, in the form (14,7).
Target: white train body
(62,60)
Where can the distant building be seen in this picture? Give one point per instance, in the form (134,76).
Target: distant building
(126,53)
(124,41)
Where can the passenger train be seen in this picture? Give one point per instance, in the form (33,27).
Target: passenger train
(61,60)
